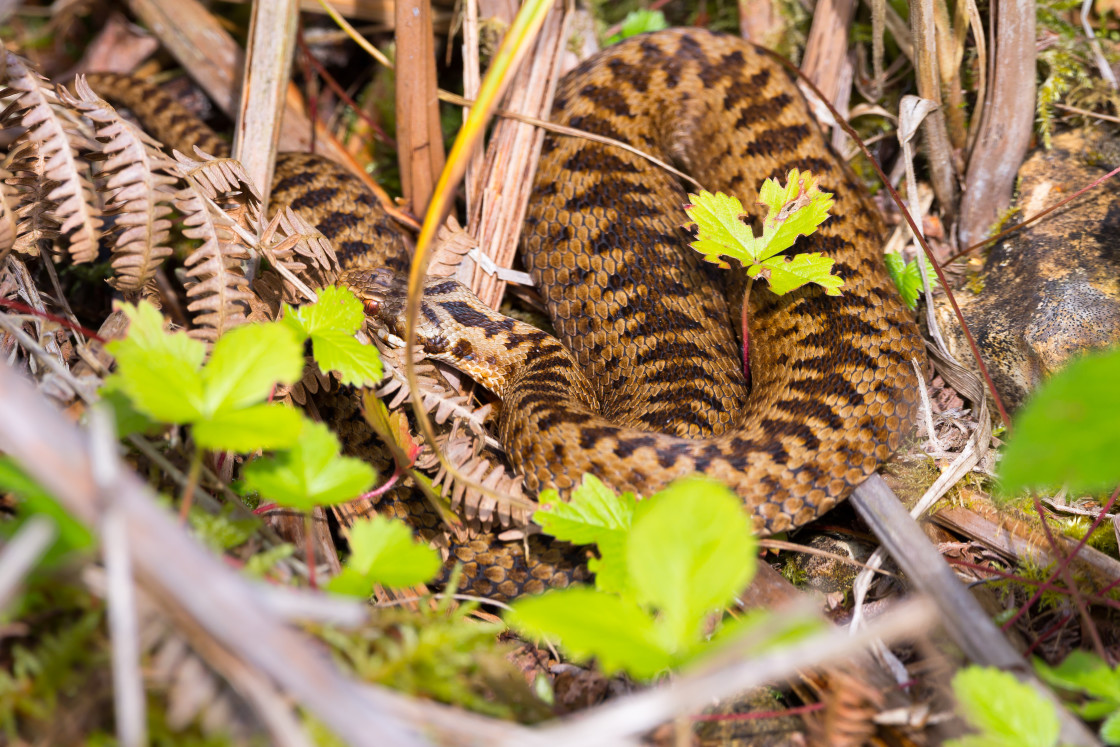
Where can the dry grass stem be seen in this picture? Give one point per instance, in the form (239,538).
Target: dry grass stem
(511,161)
(732,673)
(939,150)
(264,85)
(827,47)
(419,138)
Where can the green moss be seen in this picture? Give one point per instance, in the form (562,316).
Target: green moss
(443,655)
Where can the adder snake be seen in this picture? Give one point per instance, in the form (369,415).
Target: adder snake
(646,384)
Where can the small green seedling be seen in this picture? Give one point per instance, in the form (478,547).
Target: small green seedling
(163,375)
(382,551)
(796,209)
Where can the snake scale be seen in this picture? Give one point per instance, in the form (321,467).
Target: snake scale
(645,383)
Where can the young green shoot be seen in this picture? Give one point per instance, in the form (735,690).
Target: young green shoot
(793,210)
(224,401)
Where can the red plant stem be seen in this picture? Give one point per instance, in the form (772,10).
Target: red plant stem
(1062,621)
(913,226)
(377,492)
(1044,586)
(745,321)
(345,97)
(1033,218)
(25,309)
(1063,569)
(1066,560)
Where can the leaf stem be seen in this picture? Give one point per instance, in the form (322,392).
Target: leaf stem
(192,483)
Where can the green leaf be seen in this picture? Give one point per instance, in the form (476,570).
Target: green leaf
(689,553)
(1005,711)
(1068,433)
(158,370)
(266,426)
(247,362)
(906,278)
(337,310)
(146,333)
(639,21)
(357,364)
(382,551)
(590,623)
(718,219)
(790,273)
(593,511)
(160,385)
(330,323)
(793,210)
(1085,672)
(310,473)
(1110,729)
(595,514)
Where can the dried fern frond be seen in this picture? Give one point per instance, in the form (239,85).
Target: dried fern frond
(35,226)
(139,194)
(453,243)
(461,451)
(216,286)
(294,244)
(75,210)
(286,240)
(9,223)
(441,401)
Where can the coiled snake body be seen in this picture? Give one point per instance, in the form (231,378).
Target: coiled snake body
(646,384)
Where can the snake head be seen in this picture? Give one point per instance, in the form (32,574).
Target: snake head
(382,293)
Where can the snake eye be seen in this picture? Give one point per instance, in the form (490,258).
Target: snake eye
(371,306)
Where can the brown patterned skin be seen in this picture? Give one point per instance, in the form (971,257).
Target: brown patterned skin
(645,384)
(340,206)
